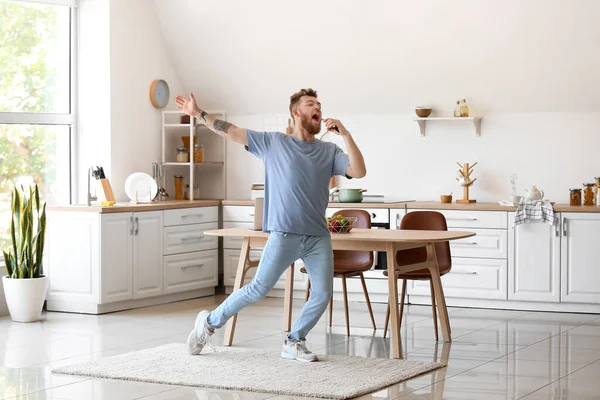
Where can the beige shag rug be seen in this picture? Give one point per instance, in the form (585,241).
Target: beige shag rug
(333,377)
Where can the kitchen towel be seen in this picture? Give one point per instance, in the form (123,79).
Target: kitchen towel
(536,210)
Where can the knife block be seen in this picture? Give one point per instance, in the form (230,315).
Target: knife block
(107,190)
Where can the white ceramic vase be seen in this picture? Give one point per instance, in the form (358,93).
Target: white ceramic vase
(25,297)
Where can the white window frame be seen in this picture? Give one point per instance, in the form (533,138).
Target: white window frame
(70,118)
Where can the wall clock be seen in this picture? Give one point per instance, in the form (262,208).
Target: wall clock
(159,93)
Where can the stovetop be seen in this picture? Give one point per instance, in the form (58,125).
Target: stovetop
(380,199)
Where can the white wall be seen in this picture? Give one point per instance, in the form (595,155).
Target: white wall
(529,68)
(138,55)
(121,51)
(93,95)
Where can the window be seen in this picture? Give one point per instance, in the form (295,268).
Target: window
(36,113)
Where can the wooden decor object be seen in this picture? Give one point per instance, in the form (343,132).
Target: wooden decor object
(466,181)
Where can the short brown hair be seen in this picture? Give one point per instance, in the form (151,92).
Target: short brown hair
(295,98)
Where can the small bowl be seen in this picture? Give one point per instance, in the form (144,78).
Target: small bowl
(423,112)
(342,225)
(446,198)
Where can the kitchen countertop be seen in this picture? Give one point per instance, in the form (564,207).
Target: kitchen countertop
(332,204)
(436,205)
(483,206)
(127,207)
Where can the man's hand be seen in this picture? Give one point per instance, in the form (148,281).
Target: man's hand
(228,130)
(335,126)
(190,107)
(357,168)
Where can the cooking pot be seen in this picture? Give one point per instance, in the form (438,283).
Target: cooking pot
(348,195)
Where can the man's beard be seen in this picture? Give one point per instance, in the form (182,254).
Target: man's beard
(310,125)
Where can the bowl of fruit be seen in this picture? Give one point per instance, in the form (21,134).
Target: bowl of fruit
(340,224)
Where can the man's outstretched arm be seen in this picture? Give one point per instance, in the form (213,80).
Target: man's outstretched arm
(226,129)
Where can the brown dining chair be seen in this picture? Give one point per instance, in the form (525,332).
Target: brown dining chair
(425,221)
(349,263)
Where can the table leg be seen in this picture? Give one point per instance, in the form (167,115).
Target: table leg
(393,290)
(288,299)
(239,282)
(439,293)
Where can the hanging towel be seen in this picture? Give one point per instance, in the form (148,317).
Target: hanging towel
(535,210)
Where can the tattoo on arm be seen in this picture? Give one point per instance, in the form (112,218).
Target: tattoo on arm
(203,115)
(222,126)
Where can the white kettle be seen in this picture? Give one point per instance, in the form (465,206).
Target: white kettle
(534,193)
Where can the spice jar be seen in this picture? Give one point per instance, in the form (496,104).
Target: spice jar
(588,194)
(182,155)
(196,193)
(575,197)
(178,187)
(597,185)
(198,153)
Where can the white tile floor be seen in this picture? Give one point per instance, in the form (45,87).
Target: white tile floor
(494,355)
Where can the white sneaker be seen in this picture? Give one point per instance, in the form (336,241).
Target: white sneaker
(297,351)
(199,337)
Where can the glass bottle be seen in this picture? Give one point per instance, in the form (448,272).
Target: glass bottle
(182,155)
(588,194)
(179,195)
(457,109)
(464,108)
(575,197)
(198,153)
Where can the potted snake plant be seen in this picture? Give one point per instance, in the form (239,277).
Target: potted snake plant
(25,284)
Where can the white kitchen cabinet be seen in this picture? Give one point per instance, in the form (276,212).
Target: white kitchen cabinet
(396,215)
(534,261)
(184,272)
(580,268)
(116,257)
(147,254)
(103,262)
(476,278)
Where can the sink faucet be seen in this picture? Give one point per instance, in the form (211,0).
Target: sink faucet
(90,198)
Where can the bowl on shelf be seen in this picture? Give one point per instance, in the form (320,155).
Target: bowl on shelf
(423,112)
(340,224)
(186,142)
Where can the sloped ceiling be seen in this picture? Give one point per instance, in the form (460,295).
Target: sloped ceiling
(386,56)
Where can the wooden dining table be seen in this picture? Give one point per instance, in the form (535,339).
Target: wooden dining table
(386,240)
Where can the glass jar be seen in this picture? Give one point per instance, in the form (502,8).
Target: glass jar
(198,153)
(196,193)
(575,197)
(597,186)
(182,155)
(179,187)
(588,194)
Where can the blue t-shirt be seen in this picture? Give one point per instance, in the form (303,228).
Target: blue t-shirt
(297,175)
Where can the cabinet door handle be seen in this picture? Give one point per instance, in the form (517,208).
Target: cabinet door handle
(398,221)
(192,216)
(132,227)
(464,272)
(467,243)
(192,239)
(192,266)
(137,226)
(556,227)
(565,226)
(461,219)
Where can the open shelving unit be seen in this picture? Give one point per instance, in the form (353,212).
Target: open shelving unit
(475,120)
(209,175)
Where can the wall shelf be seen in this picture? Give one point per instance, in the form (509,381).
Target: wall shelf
(475,120)
(209,176)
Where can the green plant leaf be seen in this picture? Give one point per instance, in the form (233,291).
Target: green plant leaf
(8,264)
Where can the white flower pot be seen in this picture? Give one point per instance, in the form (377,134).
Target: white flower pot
(25,298)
